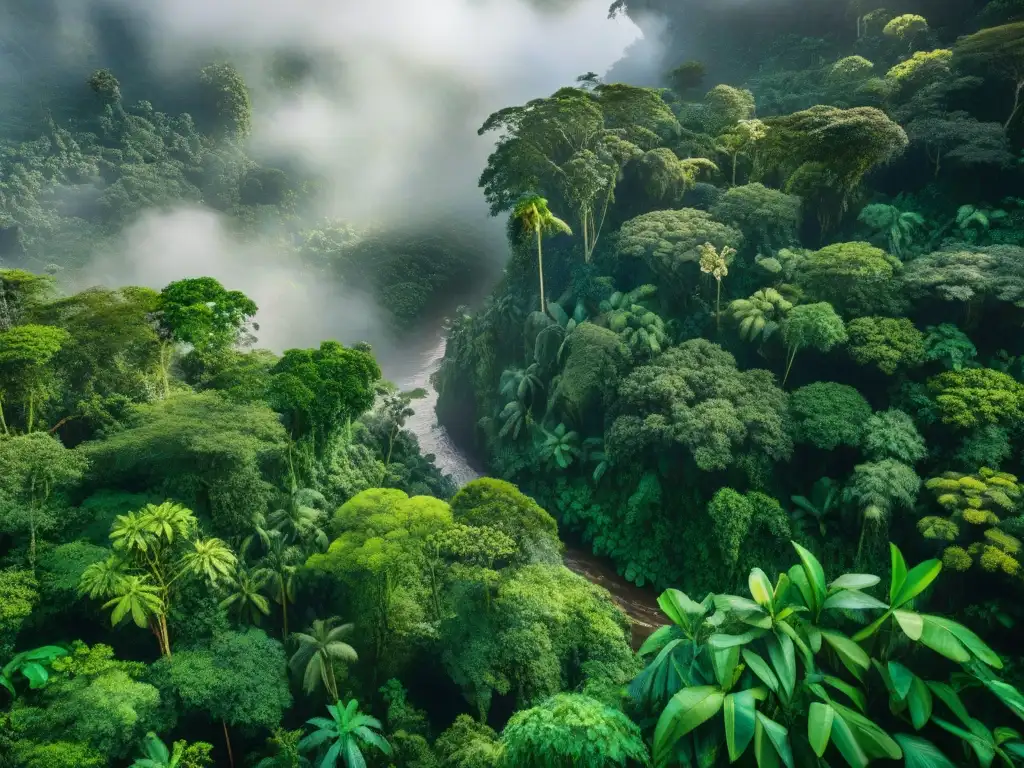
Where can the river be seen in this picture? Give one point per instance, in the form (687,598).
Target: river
(412,371)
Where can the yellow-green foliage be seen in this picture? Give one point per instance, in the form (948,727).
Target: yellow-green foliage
(975,503)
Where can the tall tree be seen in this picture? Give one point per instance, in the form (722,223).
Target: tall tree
(997,51)
(532,212)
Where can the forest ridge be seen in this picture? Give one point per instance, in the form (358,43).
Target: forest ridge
(756,345)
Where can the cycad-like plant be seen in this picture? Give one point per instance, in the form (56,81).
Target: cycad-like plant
(761,315)
(523,385)
(560,446)
(514,417)
(813,513)
(899,228)
(342,737)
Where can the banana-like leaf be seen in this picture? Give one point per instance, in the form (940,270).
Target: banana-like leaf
(850,654)
(685,711)
(854,581)
(815,576)
(899,573)
(761,669)
(772,738)
(739,712)
(852,600)
(819,727)
(783,658)
(921,753)
(761,589)
(918,579)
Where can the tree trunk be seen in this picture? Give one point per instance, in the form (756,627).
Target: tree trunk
(718,306)
(31,409)
(284,615)
(735,159)
(331,681)
(540,271)
(227,741)
(5,311)
(3,420)
(789,365)
(1016,104)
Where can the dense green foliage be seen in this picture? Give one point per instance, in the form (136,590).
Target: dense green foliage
(771,307)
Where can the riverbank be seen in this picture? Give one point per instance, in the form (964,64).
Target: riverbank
(413,371)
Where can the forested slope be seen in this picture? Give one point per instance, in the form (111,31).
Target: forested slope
(776,298)
(757,339)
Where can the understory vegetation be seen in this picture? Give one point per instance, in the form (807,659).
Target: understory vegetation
(756,346)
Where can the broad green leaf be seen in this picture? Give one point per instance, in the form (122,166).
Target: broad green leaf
(745,610)
(911,623)
(854,581)
(1003,735)
(724,661)
(920,703)
(36,673)
(819,727)
(950,698)
(815,575)
(803,586)
(761,588)
(875,742)
(778,735)
(984,749)
(919,578)
(854,694)
(937,634)
(852,600)
(764,751)
(8,685)
(798,642)
(738,711)
(781,589)
(658,639)
(679,607)
(901,677)
(761,669)
(1007,694)
(852,655)
(921,753)
(971,641)
(726,641)
(685,711)
(899,573)
(845,741)
(783,658)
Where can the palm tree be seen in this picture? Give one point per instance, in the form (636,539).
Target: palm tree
(156,755)
(136,597)
(280,567)
(301,516)
(245,598)
(346,731)
(532,211)
(210,558)
(319,648)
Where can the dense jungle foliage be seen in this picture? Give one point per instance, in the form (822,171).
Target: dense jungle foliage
(776,300)
(755,341)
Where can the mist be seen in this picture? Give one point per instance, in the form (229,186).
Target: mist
(388,114)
